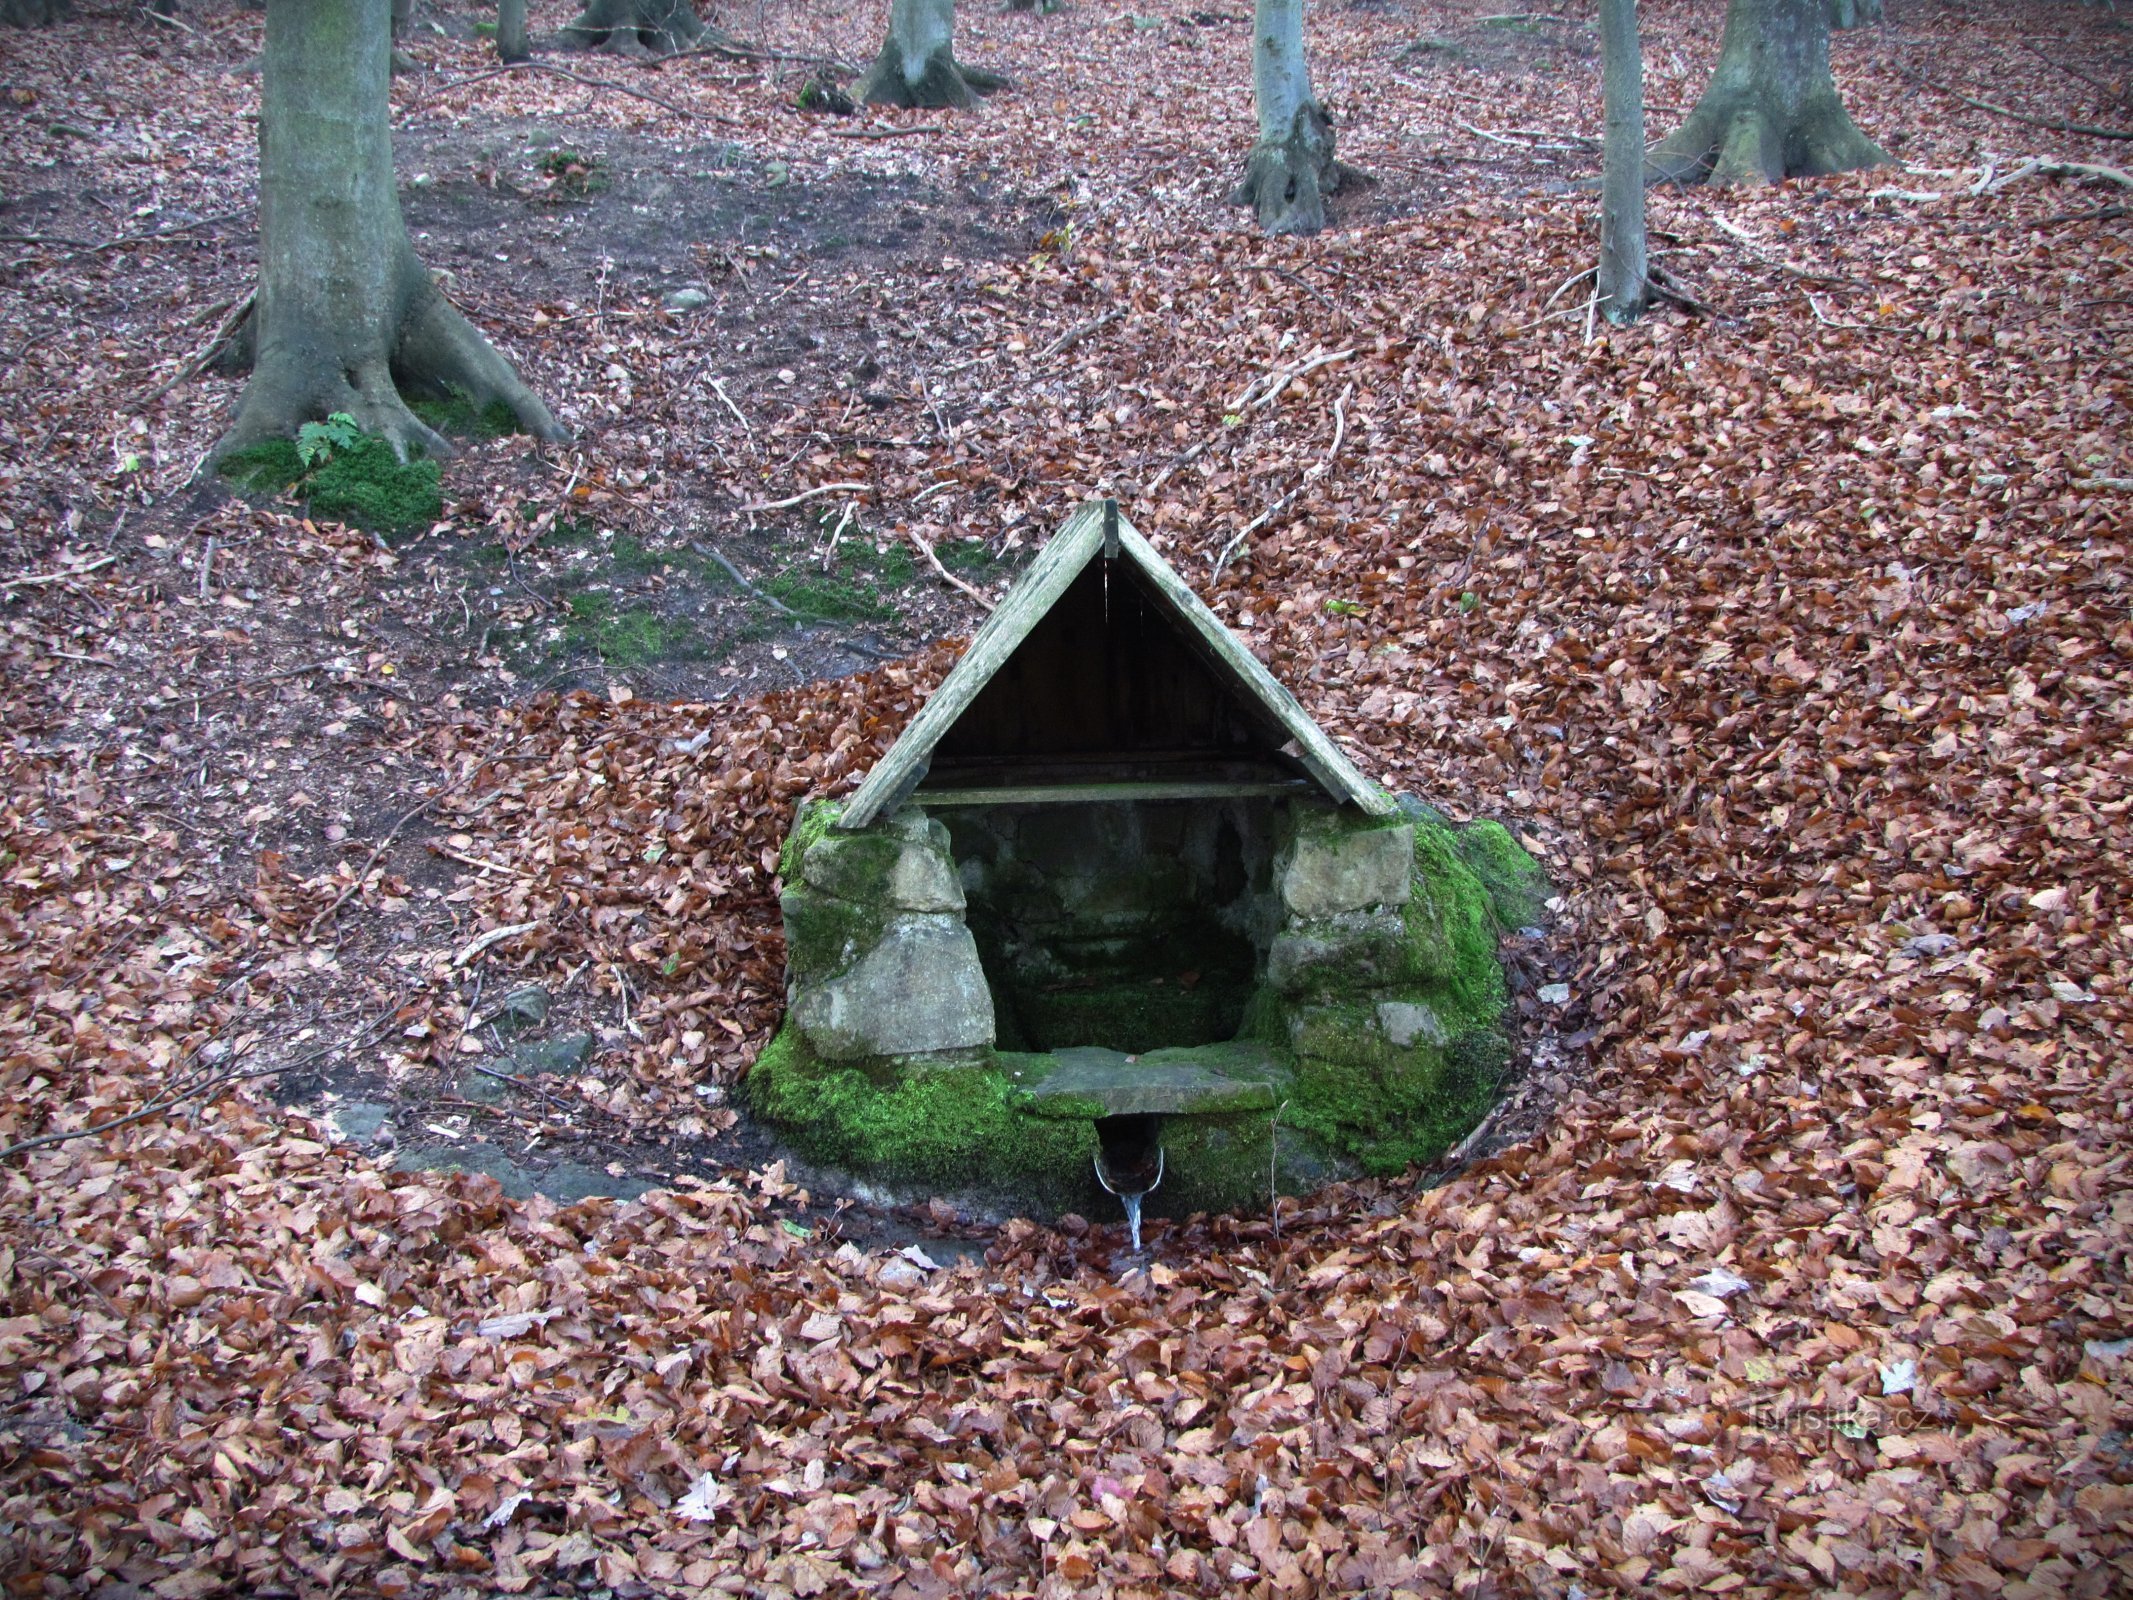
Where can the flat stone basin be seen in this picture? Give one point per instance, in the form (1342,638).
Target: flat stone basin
(1086,1081)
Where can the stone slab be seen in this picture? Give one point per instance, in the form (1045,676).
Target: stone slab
(1330,872)
(1200,1080)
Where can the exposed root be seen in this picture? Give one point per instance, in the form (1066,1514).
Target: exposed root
(945,84)
(1739,139)
(1286,181)
(642,30)
(297,378)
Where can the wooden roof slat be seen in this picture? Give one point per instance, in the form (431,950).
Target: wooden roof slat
(1058,564)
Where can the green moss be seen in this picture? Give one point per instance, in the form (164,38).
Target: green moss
(364,484)
(948,1127)
(966,555)
(1518,889)
(825,934)
(456,414)
(856,592)
(1451,930)
(1389,1107)
(634,637)
(812,821)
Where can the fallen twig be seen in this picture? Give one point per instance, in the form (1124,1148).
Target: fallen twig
(886,133)
(196,1086)
(575,77)
(934,561)
(1074,336)
(1265,391)
(493,753)
(734,573)
(38,580)
(2056,124)
(807,494)
(1253,527)
(199,363)
(202,696)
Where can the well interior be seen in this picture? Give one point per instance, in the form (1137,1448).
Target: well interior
(1132,925)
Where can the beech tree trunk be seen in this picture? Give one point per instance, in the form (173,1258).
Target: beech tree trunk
(31,13)
(1853,13)
(1624,269)
(640,28)
(1771,109)
(511,41)
(346,316)
(917,65)
(1291,168)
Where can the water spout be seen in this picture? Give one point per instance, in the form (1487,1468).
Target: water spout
(1129,1163)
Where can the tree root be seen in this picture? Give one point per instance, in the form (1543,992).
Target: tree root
(1286,181)
(642,30)
(945,84)
(435,352)
(1731,139)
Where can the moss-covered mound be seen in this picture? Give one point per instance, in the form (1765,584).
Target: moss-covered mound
(362,483)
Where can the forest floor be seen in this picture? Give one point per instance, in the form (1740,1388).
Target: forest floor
(1793,636)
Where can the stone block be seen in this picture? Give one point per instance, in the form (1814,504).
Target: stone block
(1330,870)
(1406,1023)
(919,991)
(1355,950)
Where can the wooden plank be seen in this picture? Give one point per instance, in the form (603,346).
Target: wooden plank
(1060,794)
(1321,755)
(1056,566)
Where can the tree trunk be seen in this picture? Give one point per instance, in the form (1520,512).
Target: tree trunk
(917,64)
(1291,169)
(31,13)
(641,28)
(1771,109)
(345,314)
(1624,272)
(1853,13)
(511,41)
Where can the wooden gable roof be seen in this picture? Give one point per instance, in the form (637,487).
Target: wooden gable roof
(1032,655)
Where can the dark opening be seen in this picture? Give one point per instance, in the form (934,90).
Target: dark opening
(1109,686)
(1132,925)
(1132,1152)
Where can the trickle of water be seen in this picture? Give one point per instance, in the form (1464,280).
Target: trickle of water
(1133,1218)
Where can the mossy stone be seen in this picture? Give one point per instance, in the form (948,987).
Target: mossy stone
(1518,889)
(825,935)
(1337,862)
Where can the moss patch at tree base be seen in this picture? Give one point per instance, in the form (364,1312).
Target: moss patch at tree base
(363,484)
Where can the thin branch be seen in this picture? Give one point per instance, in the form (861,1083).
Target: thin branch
(39,579)
(200,1086)
(734,573)
(1074,336)
(934,561)
(2056,124)
(199,363)
(1253,527)
(808,494)
(886,133)
(405,817)
(201,697)
(590,83)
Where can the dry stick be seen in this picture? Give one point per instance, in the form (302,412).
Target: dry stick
(829,549)
(405,817)
(1276,383)
(934,561)
(187,1091)
(39,579)
(806,495)
(1183,459)
(1252,527)
(2097,84)
(590,83)
(885,133)
(1074,336)
(2067,169)
(202,696)
(734,573)
(2056,124)
(495,936)
(207,567)
(199,363)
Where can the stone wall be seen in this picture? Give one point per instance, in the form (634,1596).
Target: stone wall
(1355,956)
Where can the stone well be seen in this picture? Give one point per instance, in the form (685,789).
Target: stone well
(1113,878)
